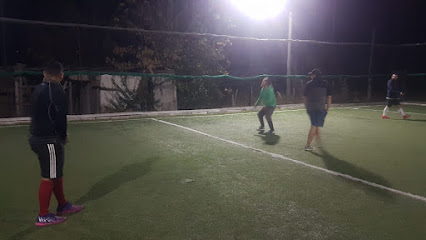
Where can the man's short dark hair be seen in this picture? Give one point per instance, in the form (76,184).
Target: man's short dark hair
(316,72)
(54,68)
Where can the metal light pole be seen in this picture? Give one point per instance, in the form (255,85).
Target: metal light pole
(3,33)
(288,80)
(370,66)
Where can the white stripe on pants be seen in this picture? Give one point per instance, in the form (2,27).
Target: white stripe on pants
(52,154)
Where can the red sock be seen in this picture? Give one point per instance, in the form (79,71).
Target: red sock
(58,190)
(44,195)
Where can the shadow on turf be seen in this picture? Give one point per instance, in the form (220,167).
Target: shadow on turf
(341,166)
(414,120)
(23,234)
(112,182)
(269,139)
(100,189)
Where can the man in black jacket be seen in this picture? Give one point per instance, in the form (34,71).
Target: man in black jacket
(317,102)
(393,97)
(48,137)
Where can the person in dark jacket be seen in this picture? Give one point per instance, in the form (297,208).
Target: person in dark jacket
(48,136)
(393,97)
(317,102)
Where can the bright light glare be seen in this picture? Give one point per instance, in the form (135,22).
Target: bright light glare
(260,9)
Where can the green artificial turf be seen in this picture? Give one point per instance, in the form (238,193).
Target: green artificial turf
(142,179)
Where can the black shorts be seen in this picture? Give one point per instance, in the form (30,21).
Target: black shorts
(394,101)
(317,117)
(50,152)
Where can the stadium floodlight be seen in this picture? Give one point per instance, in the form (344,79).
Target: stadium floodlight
(264,9)
(260,9)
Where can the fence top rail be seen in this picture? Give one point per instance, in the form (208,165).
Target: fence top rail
(173,76)
(161,32)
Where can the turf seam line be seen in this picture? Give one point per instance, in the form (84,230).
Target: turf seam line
(278,156)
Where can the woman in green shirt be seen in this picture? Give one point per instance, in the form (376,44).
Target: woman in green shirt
(267,97)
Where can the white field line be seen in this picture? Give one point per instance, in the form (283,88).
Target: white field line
(82,122)
(232,114)
(376,110)
(252,112)
(281,157)
(15,126)
(191,116)
(214,115)
(284,111)
(138,119)
(415,104)
(106,121)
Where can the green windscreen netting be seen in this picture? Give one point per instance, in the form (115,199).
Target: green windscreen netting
(111,69)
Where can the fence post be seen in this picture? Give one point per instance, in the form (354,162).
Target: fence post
(288,80)
(370,66)
(3,33)
(18,83)
(251,93)
(70,103)
(18,90)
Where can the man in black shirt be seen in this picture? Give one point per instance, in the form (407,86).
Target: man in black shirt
(317,94)
(393,97)
(48,136)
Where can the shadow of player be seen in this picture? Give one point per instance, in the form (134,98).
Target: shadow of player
(415,120)
(100,189)
(26,232)
(112,182)
(341,166)
(269,138)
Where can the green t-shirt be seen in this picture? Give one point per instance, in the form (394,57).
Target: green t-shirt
(267,97)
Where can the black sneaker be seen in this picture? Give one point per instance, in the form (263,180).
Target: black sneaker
(270,132)
(68,209)
(261,129)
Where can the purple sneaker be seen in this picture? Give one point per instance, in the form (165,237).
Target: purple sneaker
(49,219)
(68,209)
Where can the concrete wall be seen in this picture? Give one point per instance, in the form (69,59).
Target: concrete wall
(165,94)
(90,94)
(107,87)
(164,91)
(7,97)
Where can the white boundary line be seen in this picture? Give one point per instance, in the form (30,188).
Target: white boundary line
(278,156)
(210,115)
(232,114)
(81,122)
(142,118)
(376,110)
(207,116)
(415,104)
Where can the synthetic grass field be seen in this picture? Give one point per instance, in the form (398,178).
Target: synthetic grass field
(144,179)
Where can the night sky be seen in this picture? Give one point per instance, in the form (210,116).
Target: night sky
(396,21)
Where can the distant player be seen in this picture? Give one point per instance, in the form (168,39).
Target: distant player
(267,97)
(394,97)
(317,102)
(48,136)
